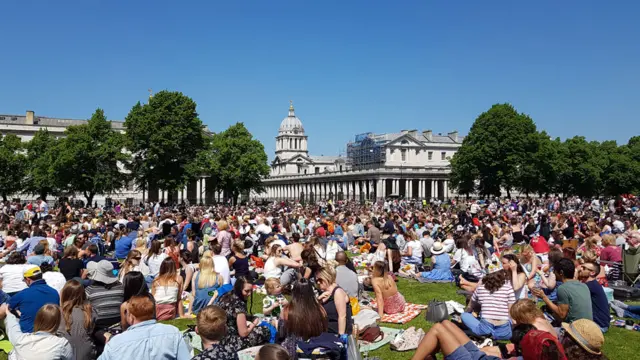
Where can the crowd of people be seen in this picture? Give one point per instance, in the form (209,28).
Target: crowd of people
(87,283)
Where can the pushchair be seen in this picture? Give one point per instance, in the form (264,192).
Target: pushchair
(631,265)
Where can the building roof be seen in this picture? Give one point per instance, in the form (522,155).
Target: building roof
(291,122)
(48,121)
(420,136)
(325,159)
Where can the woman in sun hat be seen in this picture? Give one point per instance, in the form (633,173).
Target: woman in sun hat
(441,263)
(583,339)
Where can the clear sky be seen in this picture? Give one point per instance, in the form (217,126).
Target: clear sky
(349,66)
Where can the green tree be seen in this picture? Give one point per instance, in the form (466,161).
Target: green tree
(581,167)
(537,171)
(41,152)
(237,161)
(621,173)
(165,138)
(492,151)
(12,165)
(90,158)
(463,179)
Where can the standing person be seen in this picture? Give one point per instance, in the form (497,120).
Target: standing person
(145,338)
(76,324)
(574,298)
(224,238)
(44,342)
(167,291)
(31,299)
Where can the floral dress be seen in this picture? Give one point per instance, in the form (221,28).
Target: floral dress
(233,306)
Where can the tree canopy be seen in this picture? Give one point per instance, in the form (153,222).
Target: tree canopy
(90,158)
(12,165)
(505,151)
(237,161)
(41,152)
(165,138)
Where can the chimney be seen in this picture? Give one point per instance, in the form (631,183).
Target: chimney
(413,132)
(427,134)
(30,117)
(404,131)
(454,135)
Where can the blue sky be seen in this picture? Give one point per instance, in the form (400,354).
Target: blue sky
(349,66)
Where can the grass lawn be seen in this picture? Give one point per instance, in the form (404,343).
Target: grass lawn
(619,343)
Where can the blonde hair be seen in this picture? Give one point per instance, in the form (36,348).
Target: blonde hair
(223,225)
(271,284)
(608,239)
(525,311)
(327,274)
(208,275)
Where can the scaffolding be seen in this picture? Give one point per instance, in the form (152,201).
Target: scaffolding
(365,152)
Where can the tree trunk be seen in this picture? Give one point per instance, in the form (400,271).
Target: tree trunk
(4,197)
(508,193)
(89,198)
(43,195)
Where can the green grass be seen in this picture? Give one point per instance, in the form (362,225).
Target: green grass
(619,343)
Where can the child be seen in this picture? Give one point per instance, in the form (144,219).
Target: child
(211,325)
(274,301)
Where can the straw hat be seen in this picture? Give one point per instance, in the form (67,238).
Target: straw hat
(437,248)
(587,334)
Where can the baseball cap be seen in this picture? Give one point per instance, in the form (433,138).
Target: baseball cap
(30,272)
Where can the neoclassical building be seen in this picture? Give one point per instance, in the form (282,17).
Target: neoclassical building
(27,125)
(410,163)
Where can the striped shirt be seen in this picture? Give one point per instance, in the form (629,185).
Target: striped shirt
(494,306)
(105,303)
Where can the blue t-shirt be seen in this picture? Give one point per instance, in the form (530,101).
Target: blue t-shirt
(600,304)
(38,260)
(123,245)
(30,300)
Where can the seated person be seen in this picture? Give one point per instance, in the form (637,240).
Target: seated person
(211,325)
(412,253)
(145,338)
(494,297)
(31,299)
(40,256)
(600,304)
(574,298)
(388,298)
(455,345)
(583,339)
(441,263)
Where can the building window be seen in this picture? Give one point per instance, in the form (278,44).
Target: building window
(317,170)
(340,168)
(305,171)
(430,155)
(443,155)
(403,154)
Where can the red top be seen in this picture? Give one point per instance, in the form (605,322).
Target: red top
(539,245)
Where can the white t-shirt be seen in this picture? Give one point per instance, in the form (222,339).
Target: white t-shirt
(416,249)
(449,245)
(12,277)
(221,266)
(154,262)
(263,229)
(465,260)
(54,279)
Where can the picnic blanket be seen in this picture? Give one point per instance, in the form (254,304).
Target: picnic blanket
(410,312)
(389,334)
(421,279)
(249,353)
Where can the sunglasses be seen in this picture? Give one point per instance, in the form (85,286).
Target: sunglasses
(137,258)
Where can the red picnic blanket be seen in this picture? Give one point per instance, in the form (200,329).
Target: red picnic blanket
(410,312)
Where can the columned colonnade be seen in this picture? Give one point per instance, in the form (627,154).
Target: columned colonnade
(199,191)
(337,189)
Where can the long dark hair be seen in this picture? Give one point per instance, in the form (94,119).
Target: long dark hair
(512,257)
(237,291)
(134,285)
(305,316)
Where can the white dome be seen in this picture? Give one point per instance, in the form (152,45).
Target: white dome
(291,123)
